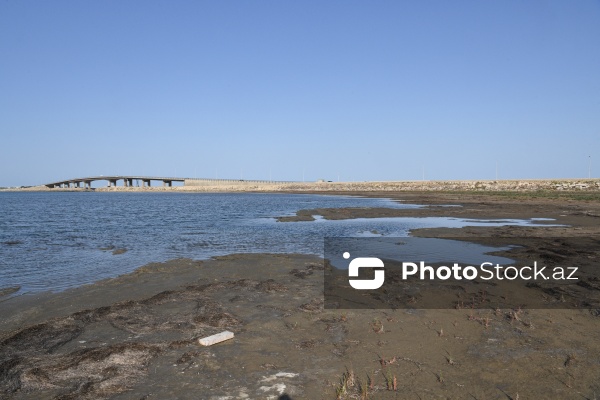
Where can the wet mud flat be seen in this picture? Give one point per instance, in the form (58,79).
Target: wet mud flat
(136,336)
(287,344)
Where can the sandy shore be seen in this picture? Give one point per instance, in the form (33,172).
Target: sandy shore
(135,336)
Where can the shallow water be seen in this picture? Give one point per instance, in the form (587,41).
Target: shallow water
(53,241)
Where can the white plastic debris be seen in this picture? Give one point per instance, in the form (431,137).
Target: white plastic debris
(214,339)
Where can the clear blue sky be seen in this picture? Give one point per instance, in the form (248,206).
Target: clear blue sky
(363,90)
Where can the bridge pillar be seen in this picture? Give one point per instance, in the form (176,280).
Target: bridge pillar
(130,182)
(168,183)
(87,184)
(146,182)
(112,182)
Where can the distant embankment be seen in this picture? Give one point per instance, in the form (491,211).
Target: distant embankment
(231,185)
(518,185)
(231,182)
(237,185)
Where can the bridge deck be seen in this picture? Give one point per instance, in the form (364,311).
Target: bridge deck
(146,181)
(112,180)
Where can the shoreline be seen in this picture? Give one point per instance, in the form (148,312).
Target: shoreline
(143,327)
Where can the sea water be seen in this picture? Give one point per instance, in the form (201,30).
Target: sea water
(54,241)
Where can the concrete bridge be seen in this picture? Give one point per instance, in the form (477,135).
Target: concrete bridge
(112,181)
(146,181)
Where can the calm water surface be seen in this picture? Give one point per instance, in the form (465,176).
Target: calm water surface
(53,241)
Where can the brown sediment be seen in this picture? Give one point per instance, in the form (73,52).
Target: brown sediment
(9,290)
(135,336)
(567,211)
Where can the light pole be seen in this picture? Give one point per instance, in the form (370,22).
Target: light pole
(590,167)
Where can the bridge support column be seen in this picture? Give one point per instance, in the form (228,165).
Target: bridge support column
(146,183)
(112,182)
(168,183)
(87,184)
